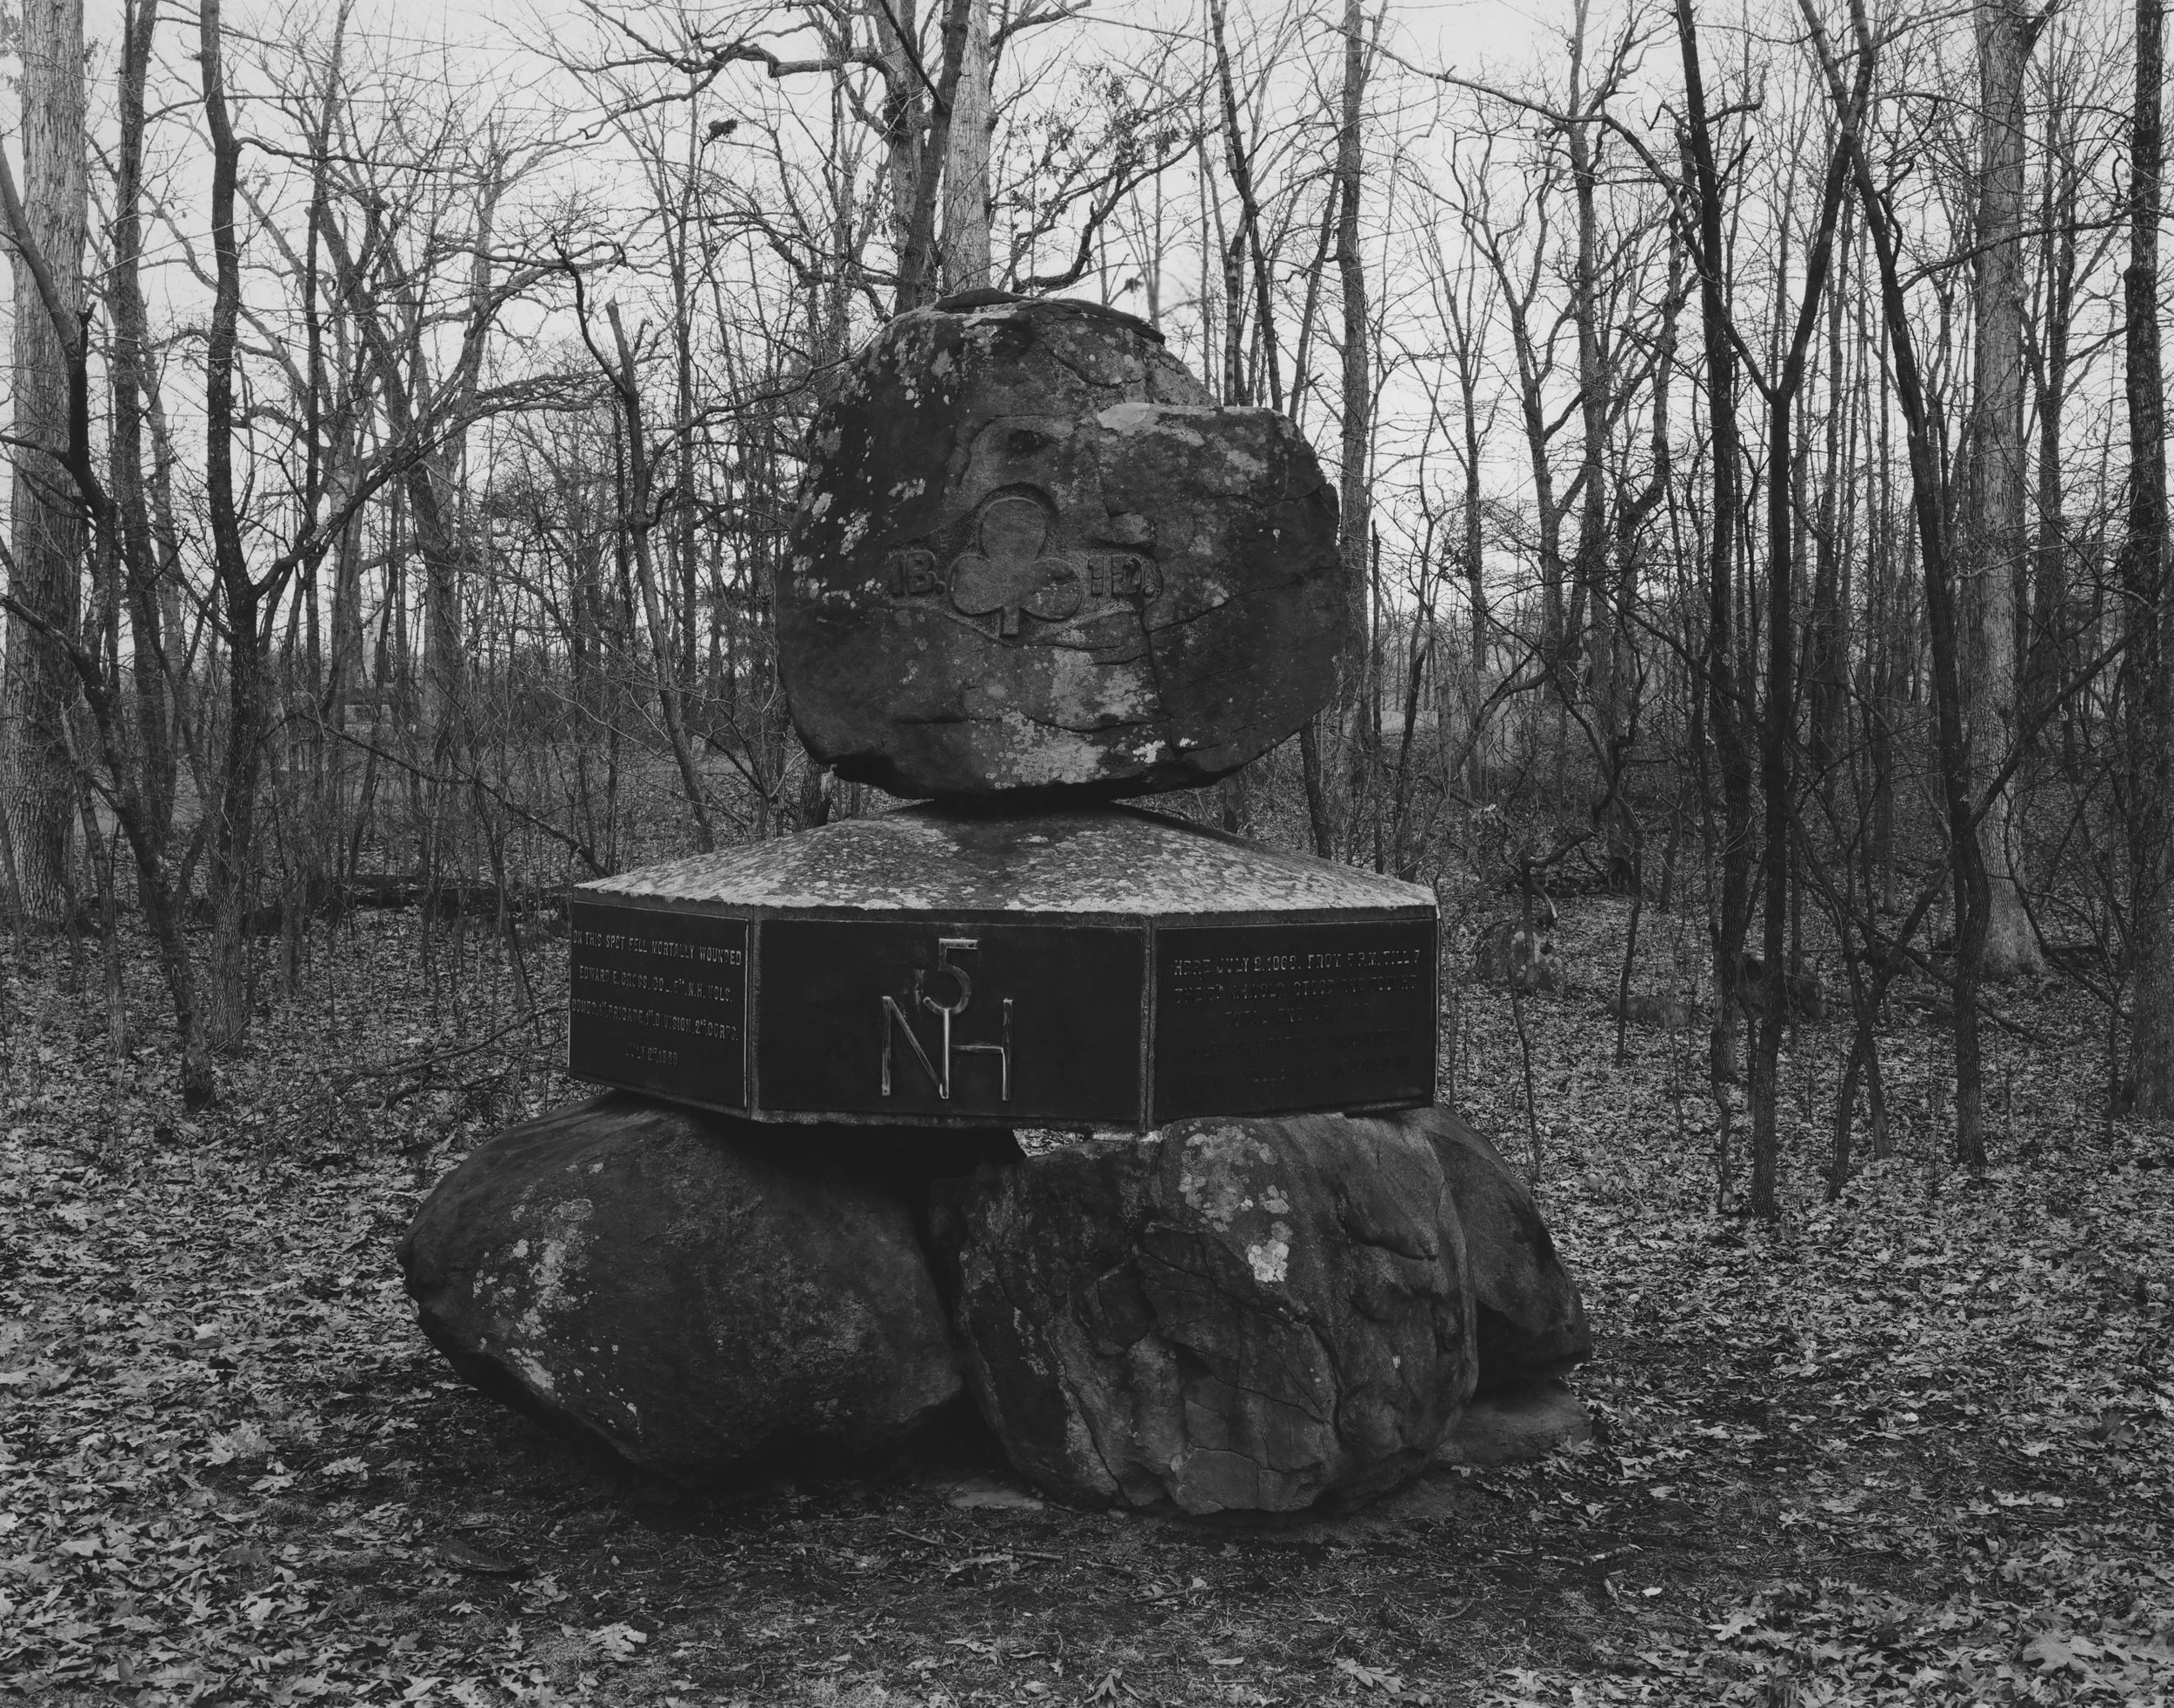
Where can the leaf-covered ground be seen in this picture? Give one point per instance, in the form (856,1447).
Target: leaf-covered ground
(1911,1448)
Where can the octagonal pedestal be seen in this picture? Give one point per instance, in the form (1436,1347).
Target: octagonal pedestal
(947,965)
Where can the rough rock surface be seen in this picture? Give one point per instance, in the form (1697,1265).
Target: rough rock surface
(1032,554)
(694,1290)
(1247,1315)
(956,860)
(1531,1320)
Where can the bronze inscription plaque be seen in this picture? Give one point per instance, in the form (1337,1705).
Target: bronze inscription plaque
(902,1019)
(659,1002)
(1272,1019)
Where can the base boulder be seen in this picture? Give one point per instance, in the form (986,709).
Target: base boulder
(692,1290)
(1224,1315)
(1531,1320)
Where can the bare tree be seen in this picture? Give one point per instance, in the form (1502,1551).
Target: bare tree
(1777,722)
(965,255)
(1993,543)
(47,509)
(1725,705)
(1357,408)
(2147,597)
(1930,505)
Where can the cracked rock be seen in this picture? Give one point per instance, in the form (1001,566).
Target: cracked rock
(1241,1315)
(1031,554)
(690,1288)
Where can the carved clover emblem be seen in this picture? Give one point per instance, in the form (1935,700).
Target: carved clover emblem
(1012,573)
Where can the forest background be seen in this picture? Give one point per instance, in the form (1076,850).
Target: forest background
(1723,413)
(1749,428)
(1748,433)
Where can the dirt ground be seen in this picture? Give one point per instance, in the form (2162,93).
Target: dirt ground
(1913,1447)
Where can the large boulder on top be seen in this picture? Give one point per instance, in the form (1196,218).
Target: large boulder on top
(1031,554)
(691,1289)
(1532,1319)
(1246,1315)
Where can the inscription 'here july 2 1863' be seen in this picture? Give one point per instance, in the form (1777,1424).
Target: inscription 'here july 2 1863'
(659,1001)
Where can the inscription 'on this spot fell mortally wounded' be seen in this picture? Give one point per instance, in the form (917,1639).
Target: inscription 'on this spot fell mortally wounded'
(1257,1020)
(659,1001)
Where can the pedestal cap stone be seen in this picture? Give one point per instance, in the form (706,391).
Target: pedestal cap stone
(1085,966)
(1032,554)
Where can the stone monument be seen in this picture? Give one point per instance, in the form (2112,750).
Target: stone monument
(1035,568)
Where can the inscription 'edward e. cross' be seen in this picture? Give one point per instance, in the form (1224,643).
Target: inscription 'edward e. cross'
(896,1019)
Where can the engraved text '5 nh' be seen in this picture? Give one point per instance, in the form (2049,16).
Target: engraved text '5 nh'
(896,1019)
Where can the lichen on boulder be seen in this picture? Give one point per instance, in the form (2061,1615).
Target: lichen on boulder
(1032,554)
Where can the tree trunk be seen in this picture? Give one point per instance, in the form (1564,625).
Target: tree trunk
(1475,573)
(638,518)
(2148,603)
(1929,498)
(1826,644)
(1302,357)
(1779,726)
(1248,237)
(232,872)
(1588,569)
(125,298)
(1994,547)
(966,262)
(47,511)
(1357,514)
(1884,699)
(1723,701)
(140,813)
(914,257)
(2052,637)
(904,115)
(1319,820)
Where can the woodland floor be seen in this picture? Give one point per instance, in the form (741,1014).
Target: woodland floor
(1914,1447)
